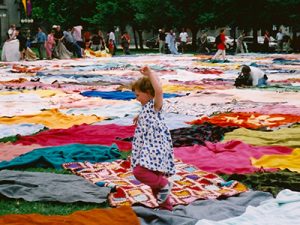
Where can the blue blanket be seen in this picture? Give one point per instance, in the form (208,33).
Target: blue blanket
(118,95)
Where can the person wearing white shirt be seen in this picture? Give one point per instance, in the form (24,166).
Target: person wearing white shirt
(111,36)
(279,37)
(183,39)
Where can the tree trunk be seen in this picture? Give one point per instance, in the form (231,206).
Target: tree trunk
(234,36)
(122,29)
(255,35)
(134,37)
(140,33)
(194,38)
(255,39)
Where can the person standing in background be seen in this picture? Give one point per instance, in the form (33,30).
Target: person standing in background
(170,40)
(266,41)
(87,39)
(240,43)
(220,42)
(71,43)
(77,35)
(279,38)
(161,41)
(203,42)
(49,45)
(112,37)
(183,39)
(41,40)
(125,42)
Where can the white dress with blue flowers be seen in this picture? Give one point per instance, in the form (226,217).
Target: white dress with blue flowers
(152,144)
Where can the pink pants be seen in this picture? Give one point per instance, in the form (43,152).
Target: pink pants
(156,180)
(49,48)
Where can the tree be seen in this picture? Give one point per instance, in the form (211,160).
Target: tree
(62,12)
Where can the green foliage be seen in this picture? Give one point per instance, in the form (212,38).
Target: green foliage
(63,12)
(38,13)
(111,13)
(149,14)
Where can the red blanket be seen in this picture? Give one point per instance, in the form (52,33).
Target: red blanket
(84,134)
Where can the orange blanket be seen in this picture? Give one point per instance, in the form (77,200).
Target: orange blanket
(117,216)
(249,120)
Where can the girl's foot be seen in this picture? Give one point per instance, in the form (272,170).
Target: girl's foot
(167,205)
(164,193)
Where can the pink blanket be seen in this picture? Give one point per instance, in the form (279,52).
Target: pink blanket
(230,157)
(84,134)
(273,109)
(9,151)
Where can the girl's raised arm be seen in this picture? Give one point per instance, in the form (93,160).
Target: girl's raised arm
(158,98)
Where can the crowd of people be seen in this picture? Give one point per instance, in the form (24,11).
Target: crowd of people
(168,42)
(74,42)
(61,44)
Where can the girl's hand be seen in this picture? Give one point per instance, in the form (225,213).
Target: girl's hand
(135,120)
(146,71)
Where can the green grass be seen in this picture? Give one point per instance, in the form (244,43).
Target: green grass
(48,170)
(19,206)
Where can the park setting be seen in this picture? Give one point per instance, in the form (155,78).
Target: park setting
(152,112)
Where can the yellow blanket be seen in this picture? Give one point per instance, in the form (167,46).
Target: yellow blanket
(289,137)
(52,119)
(291,162)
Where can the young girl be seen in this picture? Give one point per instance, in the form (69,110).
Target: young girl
(152,151)
(49,44)
(111,46)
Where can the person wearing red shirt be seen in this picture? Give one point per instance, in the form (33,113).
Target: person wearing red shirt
(221,46)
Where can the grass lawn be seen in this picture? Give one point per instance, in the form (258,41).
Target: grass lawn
(18,206)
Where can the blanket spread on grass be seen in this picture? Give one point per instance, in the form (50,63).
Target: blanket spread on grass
(189,182)
(40,186)
(54,157)
(120,216)
(210,209)
(284,209)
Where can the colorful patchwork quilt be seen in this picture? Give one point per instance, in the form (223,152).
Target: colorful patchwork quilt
(189,183)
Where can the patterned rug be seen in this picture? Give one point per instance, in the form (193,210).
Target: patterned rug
(190,183)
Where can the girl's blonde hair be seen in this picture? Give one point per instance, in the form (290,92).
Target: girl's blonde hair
(144,85)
